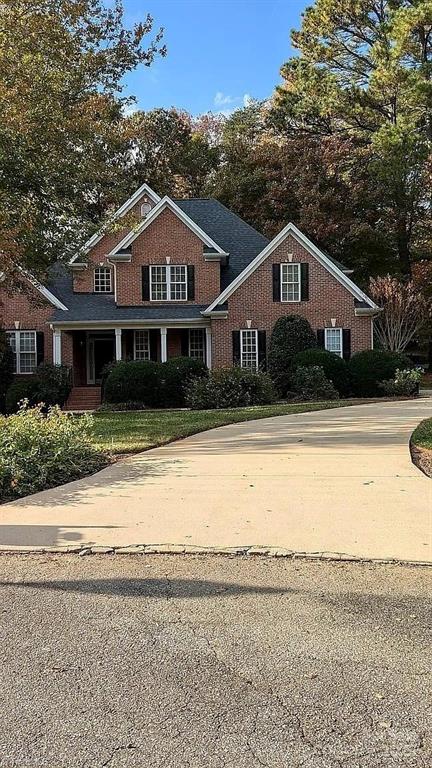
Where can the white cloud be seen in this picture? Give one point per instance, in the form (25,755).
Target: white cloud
(228,104)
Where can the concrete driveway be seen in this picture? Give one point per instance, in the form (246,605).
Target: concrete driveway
(337,481)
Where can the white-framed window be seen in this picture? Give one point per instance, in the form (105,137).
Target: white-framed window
(141,345)
(23,345)
(145,209)
(197,343)
(290,282)
(102,280)
(249,349)
(333,340)
(168,283)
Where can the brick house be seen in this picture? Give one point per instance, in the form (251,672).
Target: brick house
(188,277)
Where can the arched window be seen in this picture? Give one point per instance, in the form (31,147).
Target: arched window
(145,209)
(102,280)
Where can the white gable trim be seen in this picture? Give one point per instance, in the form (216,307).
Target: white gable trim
(42,289)
(291,229)
(164,203)
(125,208)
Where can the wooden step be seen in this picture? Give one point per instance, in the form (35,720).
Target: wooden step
(83,399)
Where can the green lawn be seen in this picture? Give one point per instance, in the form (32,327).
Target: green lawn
(132,431)
(422,435)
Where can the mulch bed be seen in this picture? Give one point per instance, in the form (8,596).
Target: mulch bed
(422,458)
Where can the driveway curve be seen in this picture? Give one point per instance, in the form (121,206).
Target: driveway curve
(337,481)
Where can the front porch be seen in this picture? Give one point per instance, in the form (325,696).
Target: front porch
(88,351)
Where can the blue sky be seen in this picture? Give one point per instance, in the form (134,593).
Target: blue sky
(220,52)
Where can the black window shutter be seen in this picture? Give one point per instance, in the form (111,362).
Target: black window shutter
(236,347)
(145,279)
(191,282)
(321,338)
(276,283)
(304,281)
(262,350)
(346,343)
(185,342)
(153,337)
(40,344)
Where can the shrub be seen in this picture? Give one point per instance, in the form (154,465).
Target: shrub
(176,375)
(334,367)
(369,368)
(39,450)
(53,383)
(310,383)
(6,369)
(21,389)
(230,388)
(405,382)
(134,380)
(291,334)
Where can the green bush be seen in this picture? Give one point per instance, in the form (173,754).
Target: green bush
(21,389)
(404,383)
(6,369)
(334,367)
(53,383)
(134,380)
(40,450)
(369,368)
(311,383)
(176,375)
(291,334)
(230,388)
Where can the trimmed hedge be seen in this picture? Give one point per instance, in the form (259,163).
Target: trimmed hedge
(176,375)
(151,384)
(41,449)
(291,334)
(230,388)
(311,383)
(369,368)
(334,367)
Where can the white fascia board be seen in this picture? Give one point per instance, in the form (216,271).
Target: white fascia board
(164,203)
(125,208)
(69,325)
(291,229)
(44,291)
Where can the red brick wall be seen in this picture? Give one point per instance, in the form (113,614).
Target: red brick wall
(32,311)
(253,300)
(167,236)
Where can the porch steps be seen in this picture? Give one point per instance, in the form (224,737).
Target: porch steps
(83,399)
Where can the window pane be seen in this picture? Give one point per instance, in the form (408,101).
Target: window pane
(102,278)
(178,283)
(197,344)
(249,350)
(290,282)
(334,340)
(142,345)
(27,341)
(158,283)
(27,362)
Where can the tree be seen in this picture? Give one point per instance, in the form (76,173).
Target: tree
(291,334)
(172,151)
(364,72)
(404,311)
(63,136)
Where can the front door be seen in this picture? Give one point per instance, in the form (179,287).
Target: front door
(100,352)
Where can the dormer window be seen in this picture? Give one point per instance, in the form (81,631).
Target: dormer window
(102,280)
(145,209)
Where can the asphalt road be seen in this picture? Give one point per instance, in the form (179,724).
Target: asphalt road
(210,662)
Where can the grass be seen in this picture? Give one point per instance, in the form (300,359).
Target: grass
(422,435)
(132,431)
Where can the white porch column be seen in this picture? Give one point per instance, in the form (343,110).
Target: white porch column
(118,343)
(57,351)
(163,338)
(208,347)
